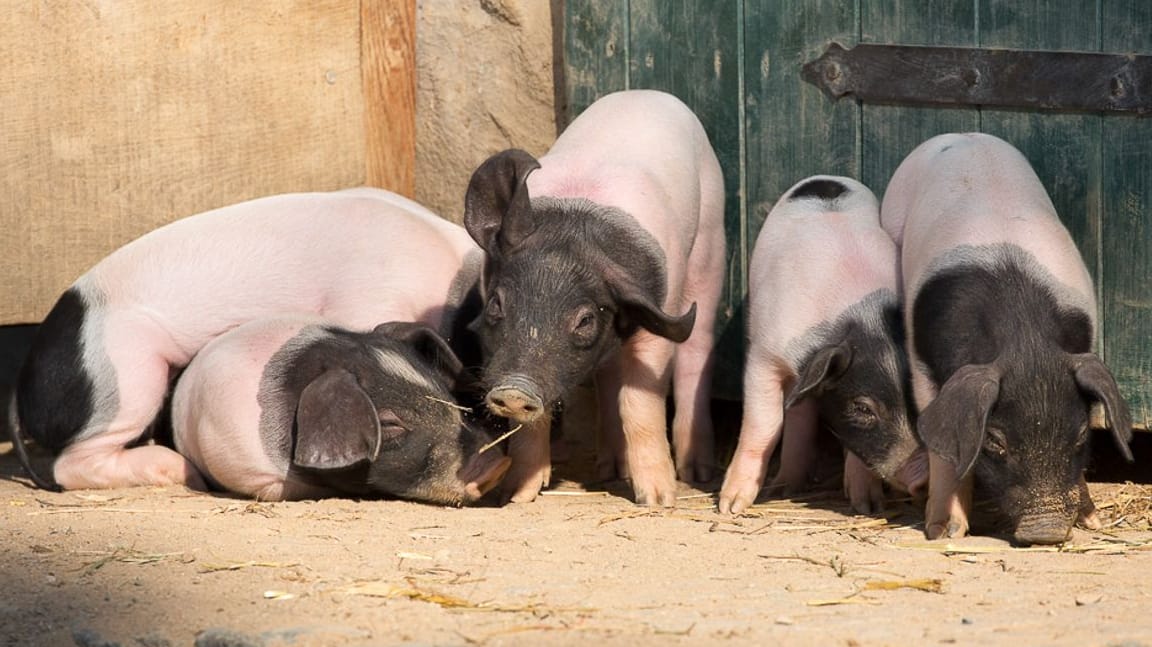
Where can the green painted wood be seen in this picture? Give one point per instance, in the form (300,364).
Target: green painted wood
(792,129)
(891,132)
(1126,231)
(779,129)
(595,51)
(1063,148)
(690,49)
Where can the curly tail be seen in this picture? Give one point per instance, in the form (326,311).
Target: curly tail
(17,434)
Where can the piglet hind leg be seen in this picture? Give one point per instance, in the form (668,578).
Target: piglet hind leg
(530,451)
(949,500)
(646,364)
(759,434)
(611,459)
(798,447)
(96,464)
(692,432)
(102,457)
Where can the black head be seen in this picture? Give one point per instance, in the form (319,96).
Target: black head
(860,381)
(1017,383)
(375,417)
(565,281)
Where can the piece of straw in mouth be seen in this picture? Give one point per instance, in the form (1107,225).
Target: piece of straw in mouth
(497,441)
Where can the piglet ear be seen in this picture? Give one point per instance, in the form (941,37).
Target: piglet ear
(952,426)
(430,345)
(642,311)
(1094,379)
(497,208)
(824,368)
(336,423)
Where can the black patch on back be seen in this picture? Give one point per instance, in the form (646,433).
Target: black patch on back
(54,391)
(973,314)
(822,189)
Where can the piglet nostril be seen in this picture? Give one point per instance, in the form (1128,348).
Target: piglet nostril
(499,402)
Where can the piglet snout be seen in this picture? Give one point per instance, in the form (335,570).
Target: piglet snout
(482,473)
(1048,529)
(517,398)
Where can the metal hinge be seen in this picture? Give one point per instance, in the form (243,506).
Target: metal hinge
(959,76)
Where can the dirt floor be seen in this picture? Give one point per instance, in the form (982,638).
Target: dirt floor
(167,566)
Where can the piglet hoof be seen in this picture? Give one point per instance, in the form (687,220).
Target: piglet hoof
(694,472)
(950,529)
(1089,520)
(523,486)
(610,468)
(737,497)
(655,492)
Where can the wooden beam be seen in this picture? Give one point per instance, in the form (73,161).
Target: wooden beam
(387,68)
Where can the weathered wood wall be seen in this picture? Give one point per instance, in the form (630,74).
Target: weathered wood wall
(118,117)
(738,64)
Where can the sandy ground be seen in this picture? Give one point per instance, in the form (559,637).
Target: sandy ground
(167,566)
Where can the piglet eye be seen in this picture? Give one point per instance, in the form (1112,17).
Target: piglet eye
(862,411)
(494,310)
(585,328)
(995,444)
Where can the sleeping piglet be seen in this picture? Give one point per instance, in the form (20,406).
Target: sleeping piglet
(1000,318)
(601,256)
(825,347)
(294,408)
(98,369)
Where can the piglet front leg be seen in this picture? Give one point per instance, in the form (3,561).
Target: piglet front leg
(759,434)
(949,500)
(645,374)
(530,451)
(865,490)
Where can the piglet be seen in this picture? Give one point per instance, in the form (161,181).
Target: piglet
(98,369)
(825,347)
(1001,316)
(294,408)
(601,257)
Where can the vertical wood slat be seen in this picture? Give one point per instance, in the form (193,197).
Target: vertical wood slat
(1063,148)
(1126,236)
(793,130)
(690,52)
(891,132)
(595,51)
(387,70)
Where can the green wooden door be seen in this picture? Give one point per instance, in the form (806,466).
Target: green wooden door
(738,64)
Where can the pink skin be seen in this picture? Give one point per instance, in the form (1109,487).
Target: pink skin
(807,267)
(352,257)
(930,207)
(216,416)
(645,153)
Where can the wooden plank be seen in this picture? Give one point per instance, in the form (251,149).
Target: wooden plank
(1063,148)
(595,51)
(1126,231)
(119,117)
(891,132)
(388,73)
(691,51)
(793,130)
